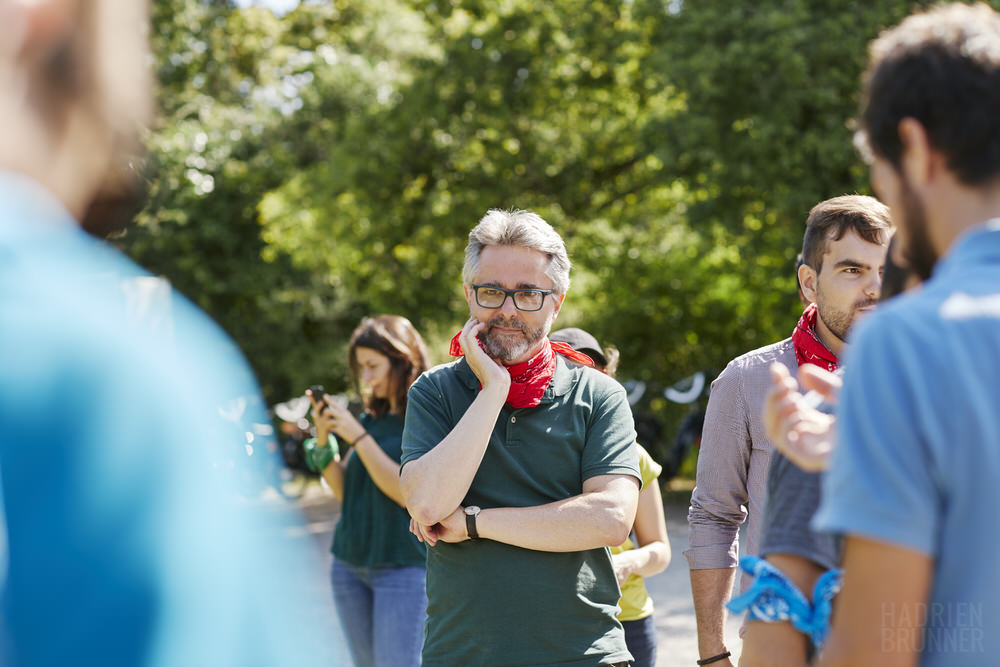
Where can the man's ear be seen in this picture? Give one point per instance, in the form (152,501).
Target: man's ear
(558,300)
(918,161)
(807,279)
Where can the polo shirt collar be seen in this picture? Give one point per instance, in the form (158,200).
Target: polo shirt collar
(973,247)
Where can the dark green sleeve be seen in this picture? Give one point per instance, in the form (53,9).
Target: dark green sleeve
(427,420)
(611,438)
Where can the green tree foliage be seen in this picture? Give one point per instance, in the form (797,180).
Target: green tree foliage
(242,114)
(310,169)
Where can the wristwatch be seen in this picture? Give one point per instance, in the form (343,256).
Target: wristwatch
(471,512)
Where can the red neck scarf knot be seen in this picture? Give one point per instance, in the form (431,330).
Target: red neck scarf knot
(809,349)
(529,379)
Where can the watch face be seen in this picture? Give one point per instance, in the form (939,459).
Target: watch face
(472,510)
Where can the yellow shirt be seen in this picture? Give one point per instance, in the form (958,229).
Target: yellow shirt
(635,602)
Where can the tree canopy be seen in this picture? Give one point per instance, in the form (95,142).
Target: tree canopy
(310,169)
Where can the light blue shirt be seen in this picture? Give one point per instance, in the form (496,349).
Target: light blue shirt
(129,428)
(917,463)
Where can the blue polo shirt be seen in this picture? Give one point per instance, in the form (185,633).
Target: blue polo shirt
(917,462)
(129,429)
(495,604)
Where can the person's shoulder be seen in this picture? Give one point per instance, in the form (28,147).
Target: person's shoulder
(758,361)
(589,378)
(447,377)
(763,356)
(446,372)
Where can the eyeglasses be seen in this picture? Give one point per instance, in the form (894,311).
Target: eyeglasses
(527,300)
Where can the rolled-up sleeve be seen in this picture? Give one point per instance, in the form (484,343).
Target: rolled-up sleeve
(720,495)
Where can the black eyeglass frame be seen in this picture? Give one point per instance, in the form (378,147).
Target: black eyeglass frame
(512,294)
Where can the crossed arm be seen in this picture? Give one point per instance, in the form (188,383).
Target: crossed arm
(435,485)
(600,516)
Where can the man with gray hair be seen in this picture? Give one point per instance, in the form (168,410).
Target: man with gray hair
(519,468)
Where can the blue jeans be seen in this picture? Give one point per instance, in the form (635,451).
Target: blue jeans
(382,611)
(640,637)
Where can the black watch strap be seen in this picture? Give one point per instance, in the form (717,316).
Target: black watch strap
(470,525)
(714,658)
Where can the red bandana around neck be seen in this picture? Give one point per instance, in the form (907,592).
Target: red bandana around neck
(809,349)
(529,379)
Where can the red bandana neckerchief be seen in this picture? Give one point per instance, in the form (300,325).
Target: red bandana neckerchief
(809,349)
(529,379)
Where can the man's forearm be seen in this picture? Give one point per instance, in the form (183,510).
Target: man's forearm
(711,590)
(588,521)
(436,483)
(773,645)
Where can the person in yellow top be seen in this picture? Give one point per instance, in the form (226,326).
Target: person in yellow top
(649,553)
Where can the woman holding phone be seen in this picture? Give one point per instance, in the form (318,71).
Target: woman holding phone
(378,570)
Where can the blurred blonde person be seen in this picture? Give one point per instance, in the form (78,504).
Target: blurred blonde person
(122,537)
(650,553)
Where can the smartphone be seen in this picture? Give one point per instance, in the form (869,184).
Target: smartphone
(317,392)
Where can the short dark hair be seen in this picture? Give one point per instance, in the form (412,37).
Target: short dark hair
(396,338)
(829,220)
(942,68)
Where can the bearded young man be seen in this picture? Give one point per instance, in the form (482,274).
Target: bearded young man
(843,253)
(913,481)
(519,468)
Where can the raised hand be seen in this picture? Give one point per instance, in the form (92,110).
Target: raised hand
(489,372)
(342,422)
(321,417)
(798,430)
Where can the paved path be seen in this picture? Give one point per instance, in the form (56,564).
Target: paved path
(671,589)
(671,592)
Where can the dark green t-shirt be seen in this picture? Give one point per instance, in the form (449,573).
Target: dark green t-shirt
(373,530)
(494,604)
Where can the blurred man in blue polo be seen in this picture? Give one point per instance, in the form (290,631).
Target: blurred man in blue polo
(122,540)
(913,479)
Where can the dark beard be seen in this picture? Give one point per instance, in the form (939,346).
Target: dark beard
(505,350)
(918,252)
(839,323)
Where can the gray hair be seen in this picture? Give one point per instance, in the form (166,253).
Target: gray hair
(522,229)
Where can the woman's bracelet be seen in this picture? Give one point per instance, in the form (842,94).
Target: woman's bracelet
(359,439)
(319,457)
(715,658)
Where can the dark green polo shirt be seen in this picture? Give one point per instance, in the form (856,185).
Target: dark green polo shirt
(373,530)
(494,604)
